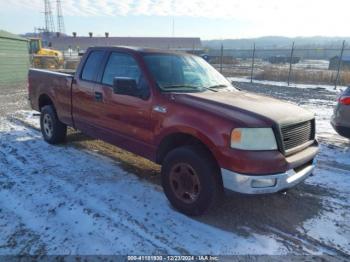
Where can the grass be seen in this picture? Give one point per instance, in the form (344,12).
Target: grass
(276,73)
(303,76)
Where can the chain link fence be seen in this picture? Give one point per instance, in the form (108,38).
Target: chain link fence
(324,66)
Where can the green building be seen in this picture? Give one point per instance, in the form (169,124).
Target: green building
(14,59)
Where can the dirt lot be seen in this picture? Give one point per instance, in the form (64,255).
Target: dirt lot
(12,98)
(87,197)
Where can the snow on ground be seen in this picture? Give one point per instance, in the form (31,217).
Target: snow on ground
(333,172)
(284,84)
(68,200)
(61,200)
(333,162)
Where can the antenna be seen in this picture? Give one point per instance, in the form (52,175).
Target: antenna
(38,31)
(60,21)
(49,25)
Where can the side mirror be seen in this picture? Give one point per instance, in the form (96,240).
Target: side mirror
(125,86)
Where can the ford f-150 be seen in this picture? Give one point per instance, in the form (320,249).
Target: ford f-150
(178,111)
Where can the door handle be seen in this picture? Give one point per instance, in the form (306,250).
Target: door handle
(98,96)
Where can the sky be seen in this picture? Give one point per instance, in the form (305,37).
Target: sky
(208,19)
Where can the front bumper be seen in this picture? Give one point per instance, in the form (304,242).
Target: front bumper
(264,184)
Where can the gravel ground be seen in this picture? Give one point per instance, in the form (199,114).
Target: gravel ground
(12,98)
(88,197)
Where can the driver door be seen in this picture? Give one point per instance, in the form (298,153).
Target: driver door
(126,119)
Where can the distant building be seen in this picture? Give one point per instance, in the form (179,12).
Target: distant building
(334,61)
(14,59)
(186,44)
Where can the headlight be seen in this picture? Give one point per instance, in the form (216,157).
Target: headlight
(253,139)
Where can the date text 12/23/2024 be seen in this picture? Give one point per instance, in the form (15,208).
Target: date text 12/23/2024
(173,258)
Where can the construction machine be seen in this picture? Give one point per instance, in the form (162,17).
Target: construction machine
(44,57)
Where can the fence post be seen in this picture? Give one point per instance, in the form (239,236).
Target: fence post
(339,65)
(221,57)
(253,60)
(290,63)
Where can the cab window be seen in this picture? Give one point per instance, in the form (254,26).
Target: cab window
(121,65)
(92,65)
(34,46)
(124,65)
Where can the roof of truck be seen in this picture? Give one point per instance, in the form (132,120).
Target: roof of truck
(82,43)
(139,49)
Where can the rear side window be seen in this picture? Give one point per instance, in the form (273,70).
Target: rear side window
(121,65)
(92,65)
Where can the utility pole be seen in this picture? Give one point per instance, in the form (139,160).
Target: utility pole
(60,21)
(339,65)
(49,24)
(253,62)
(290,63)
(221,57)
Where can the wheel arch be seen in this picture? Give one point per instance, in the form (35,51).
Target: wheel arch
(45,100)
(177,139)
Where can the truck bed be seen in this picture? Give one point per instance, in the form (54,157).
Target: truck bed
(46,86)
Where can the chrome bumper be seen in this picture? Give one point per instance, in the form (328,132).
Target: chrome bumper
(264,184)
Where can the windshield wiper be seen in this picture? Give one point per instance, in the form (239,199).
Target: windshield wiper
(177,86)
(189,86)
(218,86)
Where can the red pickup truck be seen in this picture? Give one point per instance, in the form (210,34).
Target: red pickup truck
(178,111)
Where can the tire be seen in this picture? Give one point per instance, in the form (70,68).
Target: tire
(199,167)
(52,129)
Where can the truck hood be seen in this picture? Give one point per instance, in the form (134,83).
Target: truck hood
(238,104)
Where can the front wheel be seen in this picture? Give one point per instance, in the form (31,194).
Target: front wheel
(52,129)
(191,180)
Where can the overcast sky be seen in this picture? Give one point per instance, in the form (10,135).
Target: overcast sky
(207,19)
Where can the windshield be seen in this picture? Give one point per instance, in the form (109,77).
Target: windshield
(184,73)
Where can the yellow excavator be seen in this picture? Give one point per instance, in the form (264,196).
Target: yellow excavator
(44,57)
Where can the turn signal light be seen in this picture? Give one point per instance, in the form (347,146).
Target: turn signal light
(344,100)
(236,136)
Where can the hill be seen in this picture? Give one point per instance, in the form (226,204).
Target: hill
(277,42)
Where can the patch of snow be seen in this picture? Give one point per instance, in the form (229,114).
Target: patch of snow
(61,200)
(327,228)
(69,201)
(332,172)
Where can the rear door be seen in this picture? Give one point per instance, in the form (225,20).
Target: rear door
(125,118)
(85,113)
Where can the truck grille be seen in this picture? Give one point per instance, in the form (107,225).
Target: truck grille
(297,134)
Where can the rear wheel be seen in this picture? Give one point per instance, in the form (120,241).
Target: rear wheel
(52,129)
(190,179)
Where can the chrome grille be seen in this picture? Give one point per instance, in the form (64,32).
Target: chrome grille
(297,134)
